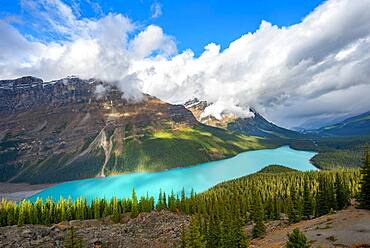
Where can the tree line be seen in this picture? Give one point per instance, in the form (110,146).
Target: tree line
(258,197)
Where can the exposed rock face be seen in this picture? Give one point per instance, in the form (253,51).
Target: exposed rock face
(197,107)
(155,229)
(63,128)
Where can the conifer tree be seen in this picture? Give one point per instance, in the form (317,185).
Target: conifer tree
(258,217)
(72,240)
(364,195)
(307,200)
(96,208)
(332,201)
(294,211)
(194,236)
(159,205)
(116,215)
(10,217)
(341,193)
(134,207)
(183,243)
(322,197)
(21,215)
(297,239)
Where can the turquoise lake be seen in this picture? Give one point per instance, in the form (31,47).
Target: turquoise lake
(200,177)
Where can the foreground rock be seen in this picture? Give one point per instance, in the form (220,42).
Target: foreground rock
(347,228)
(156,229)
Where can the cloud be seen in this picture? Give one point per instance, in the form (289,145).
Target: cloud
(310,71)
(156,10)
(281,71)
(89,48)
(150,40)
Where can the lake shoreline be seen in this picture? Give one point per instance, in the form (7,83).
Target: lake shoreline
(198,178)
(21,191)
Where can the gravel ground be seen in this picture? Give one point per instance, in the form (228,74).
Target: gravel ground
(154,230)
(343,229)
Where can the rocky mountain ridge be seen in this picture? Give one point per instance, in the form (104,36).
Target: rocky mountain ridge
(63,130)
(43,121)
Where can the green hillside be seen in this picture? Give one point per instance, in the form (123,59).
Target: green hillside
(139,150)
(185,146)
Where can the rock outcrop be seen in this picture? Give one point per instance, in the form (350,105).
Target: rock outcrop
(155,229)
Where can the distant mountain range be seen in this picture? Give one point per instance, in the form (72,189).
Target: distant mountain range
(257,125)
(353,126)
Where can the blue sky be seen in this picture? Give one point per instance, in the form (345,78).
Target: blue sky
(193,23)
(296,61)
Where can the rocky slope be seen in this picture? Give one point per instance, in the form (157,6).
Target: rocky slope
(62,130)
(155,229)
(346,228)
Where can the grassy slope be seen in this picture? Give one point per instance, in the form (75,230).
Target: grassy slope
(168,148)
(144,149)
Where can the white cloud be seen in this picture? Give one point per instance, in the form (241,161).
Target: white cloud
(89,48)
(156,10)
(316,69)
(150,40)
(276,68)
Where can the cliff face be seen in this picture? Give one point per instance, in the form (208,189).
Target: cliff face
(61,130)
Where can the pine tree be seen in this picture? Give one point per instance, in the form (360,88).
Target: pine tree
(134,207)
(294,211)
(194,236)
(183,238)
(322,197)
(116,215)
(159,205)
(21,215)
(307,200)
(96,206)
(364,196)
(332,201)
(297,239)
(259,228)
(72,240)
(341,193)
